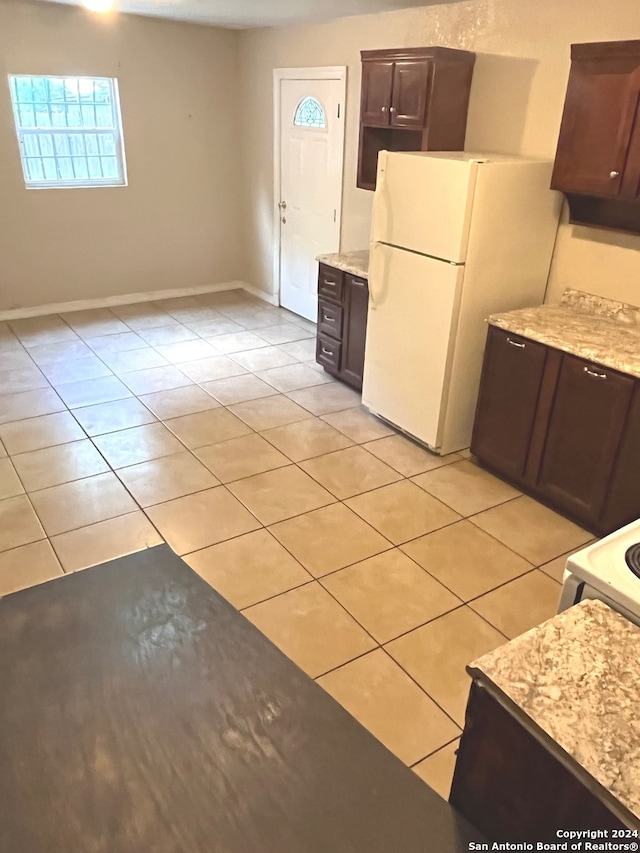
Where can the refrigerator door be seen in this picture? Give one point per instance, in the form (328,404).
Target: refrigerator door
(511,239)
(423,202)
(413,308)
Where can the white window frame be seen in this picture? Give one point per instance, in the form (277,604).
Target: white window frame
(116,131)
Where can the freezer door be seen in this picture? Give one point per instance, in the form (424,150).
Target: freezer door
(423,203)
(413,309)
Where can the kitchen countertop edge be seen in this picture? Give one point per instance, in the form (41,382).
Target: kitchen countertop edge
(597,338)
(571,678)
(356,263)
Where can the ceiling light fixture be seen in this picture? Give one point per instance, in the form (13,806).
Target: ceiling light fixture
(98,5)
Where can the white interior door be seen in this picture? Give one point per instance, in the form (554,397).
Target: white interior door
(311,136)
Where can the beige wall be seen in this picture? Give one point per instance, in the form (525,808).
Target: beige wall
(177,223)
(518,91)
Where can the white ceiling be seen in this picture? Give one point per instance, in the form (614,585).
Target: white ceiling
(254,13)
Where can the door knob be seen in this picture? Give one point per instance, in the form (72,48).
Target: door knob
(282,205)
(613,174)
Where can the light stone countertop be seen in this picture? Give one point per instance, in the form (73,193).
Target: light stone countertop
(576,677)
(357,263)
(592,327)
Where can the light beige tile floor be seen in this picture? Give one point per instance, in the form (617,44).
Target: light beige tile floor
(305,439)
(379,568)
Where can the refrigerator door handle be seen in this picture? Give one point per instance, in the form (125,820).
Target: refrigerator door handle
(380,209)
(377,283)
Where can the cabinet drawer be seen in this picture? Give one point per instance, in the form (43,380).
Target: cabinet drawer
(330,283)
(328,352)
(330,319)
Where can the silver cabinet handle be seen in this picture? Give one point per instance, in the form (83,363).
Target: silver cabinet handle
(516,343)
(613,174)
(358,283)
(328,283)
(327,351)
(594,373)
(326,319)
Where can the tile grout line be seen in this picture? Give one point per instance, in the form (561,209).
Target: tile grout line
(191,451)
(434,751)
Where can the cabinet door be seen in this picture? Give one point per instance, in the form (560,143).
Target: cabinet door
(597,123)
(584,432)
(409,96)
(622,504)
(375,100)
(511,785)
(356,305)
(511,380)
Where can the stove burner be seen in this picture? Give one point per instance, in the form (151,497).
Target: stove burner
(632,558)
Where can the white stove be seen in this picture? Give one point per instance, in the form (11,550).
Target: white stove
(608,570)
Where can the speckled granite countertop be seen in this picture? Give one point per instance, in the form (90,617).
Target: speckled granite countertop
(357,263)
(591,327)
(576,677)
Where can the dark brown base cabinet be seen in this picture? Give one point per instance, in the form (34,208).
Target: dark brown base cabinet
(343,302)
(560,428)
(511,786)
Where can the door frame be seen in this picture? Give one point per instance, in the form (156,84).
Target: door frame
(327,72)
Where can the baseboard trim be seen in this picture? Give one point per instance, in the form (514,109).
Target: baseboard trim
(131,298)
(271,298)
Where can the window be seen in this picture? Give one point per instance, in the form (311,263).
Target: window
(69,130)
(310,114)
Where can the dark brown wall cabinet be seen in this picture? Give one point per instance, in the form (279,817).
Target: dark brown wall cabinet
(511,786)
(415,99)
(597,162)
(562,429)
(343,301)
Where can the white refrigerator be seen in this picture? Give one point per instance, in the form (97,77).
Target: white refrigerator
(455,236)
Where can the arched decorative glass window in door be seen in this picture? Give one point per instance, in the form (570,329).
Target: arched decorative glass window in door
(309,113)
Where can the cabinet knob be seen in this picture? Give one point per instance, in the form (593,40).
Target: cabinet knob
(392,109)
(383,109)
(613,174)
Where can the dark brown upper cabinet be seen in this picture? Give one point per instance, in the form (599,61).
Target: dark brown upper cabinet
(377,84)
(414,99)
(597,162)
